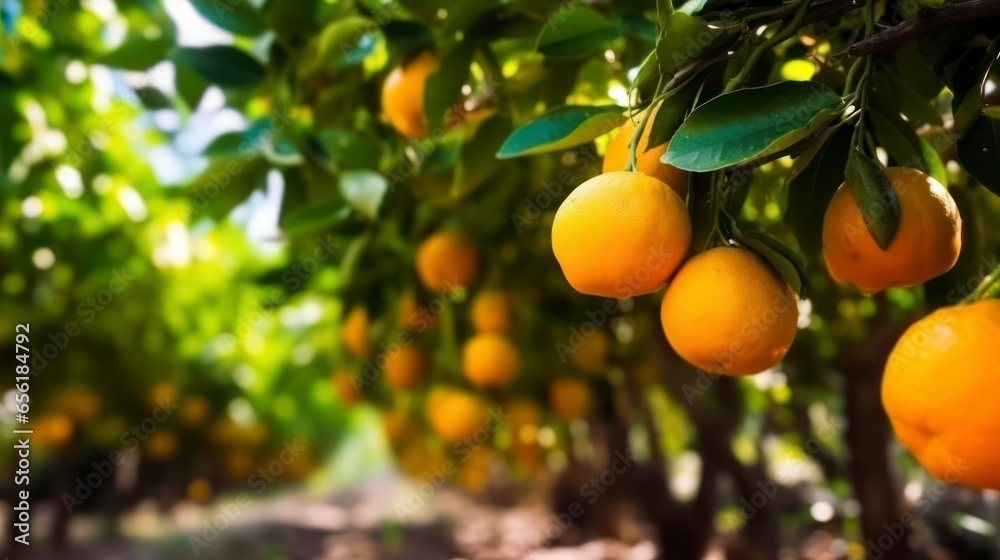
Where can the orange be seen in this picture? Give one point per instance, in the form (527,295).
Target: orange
(492,312)
(407,368)
(413,317)
(344,386)
(927,241)
(194,410)
(403,94)
(53,431)
(647,161)
(592,355)
(199,491)
(570,398)
(356,332)
(447,259)
(644,373)
(938,388)
(160,446)
(455,415)
(79,404)
(729,312)
(620,235)
(490,360)
(398,428)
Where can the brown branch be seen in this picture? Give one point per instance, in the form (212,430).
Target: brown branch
(927,20)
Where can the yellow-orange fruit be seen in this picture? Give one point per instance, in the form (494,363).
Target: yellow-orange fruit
(194,410)
(620,235)
(729,312)
(455,415)
(937,390)
(592,355)
(490,360)
(492,312)
(403,95)
(446,260)
(647,161)
(407,368)
(343,385)
(926,244)
(160,446)
(570,398)
(356,332)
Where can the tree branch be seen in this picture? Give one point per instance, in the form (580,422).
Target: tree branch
(927,20)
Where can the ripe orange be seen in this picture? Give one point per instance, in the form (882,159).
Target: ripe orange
(620,235)
(407,368)
(592,355)
(194,410)
(729,312)
(403,95)
(490,360)
(937,388)
(413,317)
(455,414)
(647,162)
(570,398)
(927,241)
(344,386)
(160,446)
(356,332)
(492,312)
(447,259)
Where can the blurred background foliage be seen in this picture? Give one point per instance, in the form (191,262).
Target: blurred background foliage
(206,189)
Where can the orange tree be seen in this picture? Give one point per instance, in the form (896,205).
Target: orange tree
(564,231)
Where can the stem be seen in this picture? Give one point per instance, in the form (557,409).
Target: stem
(984,287)
(779,37)
(633,143)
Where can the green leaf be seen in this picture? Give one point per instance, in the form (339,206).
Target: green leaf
(153,98)
(226,144)
(896,136)
(788,263)
(561,128)
(979,152)
(346,42)
(904,99)
(137,53)
(576,32)
(348,149)
(683,38)
(935,167)
(238,17)
(646,78)
(190,85)
(750,124)
(226,66)
(315,217)
(364,190)
(638,25)
(669,117)
(813,183)
(874,196)
(444,87)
